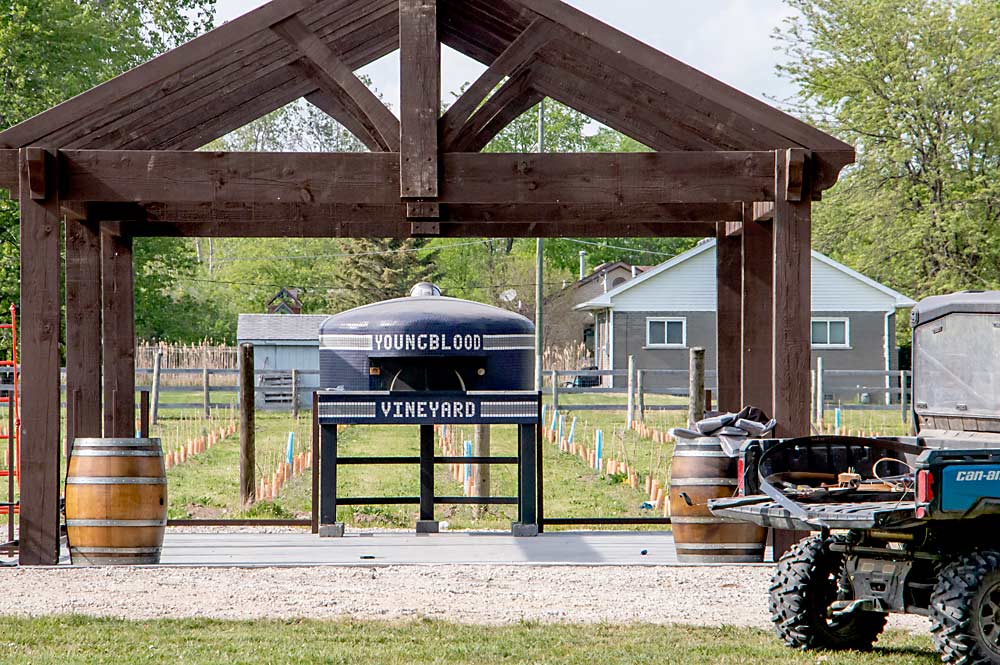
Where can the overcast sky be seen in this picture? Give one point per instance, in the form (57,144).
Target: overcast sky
(729,39)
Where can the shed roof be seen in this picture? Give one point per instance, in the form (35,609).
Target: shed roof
(279,327)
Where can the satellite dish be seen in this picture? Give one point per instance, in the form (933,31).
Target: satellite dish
(510,295)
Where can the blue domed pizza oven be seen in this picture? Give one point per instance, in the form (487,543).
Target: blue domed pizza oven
(431,361)
(427,343)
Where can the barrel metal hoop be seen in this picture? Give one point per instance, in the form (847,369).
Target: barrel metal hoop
(125,523)
(116,550)
(704,482)
(116,443)
(116,480)
(117,453)
(719,558)
(151,560)
(720,546)
(703,520)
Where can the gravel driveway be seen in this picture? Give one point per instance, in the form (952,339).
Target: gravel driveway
(707,596)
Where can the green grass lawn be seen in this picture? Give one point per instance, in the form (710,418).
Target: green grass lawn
(69,640)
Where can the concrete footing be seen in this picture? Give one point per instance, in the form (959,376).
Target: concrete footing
(331,530)
(428,526)
(519,530)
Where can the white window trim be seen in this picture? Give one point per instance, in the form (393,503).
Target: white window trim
(828,320)
(665,320)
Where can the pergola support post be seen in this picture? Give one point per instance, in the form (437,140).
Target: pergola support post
(729,318)
(792,293)
(40,327)
(118,297)
(83,329)
(757,312)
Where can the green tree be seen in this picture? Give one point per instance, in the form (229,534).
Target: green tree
(380,269)
(51,50)
(915,85)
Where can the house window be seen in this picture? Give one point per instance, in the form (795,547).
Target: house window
(831,333)
(666,333)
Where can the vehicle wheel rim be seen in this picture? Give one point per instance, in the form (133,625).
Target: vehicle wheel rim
(989,617)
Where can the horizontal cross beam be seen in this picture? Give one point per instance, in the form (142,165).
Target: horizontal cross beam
(607,179)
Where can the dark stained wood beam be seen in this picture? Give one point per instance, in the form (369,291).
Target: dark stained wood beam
(41,259)
(792,298)
(118,316)
(507,64)
(204,47)
(373,179)
(9,171)
(404,229)
(642,56)
(758,312)
(83,328)
(336,79)
(514,98)
(420,99)
(729,318)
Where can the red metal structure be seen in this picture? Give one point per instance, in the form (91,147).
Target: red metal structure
(11,435)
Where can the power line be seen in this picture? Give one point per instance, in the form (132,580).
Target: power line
(622,249)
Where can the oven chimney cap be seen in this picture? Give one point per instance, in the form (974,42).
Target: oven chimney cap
(424,289)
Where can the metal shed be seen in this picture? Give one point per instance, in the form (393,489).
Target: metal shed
(282,343)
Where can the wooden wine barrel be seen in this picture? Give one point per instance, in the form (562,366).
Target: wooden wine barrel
(701,471)
(116,502)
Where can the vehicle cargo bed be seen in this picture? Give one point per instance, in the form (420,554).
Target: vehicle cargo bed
(859,515)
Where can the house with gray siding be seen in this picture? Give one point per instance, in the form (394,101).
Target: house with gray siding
(283,342)
(661,314)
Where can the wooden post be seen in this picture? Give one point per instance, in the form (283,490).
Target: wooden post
(630,386)
(696,385)
(247,425)
(83,330)
(118,294)
(820,402)
(420,113)
(792,292)
(144,414)
(729,318)
(41,258)
(295,394)
(481,448)
(157,369)
(758,262)
(640,389)
(555,391)
(206,393)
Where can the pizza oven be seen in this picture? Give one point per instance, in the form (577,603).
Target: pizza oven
(427,343)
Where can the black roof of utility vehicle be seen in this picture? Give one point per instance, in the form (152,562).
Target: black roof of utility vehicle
(967,302)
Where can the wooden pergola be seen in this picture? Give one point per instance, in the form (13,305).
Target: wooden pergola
(117,162)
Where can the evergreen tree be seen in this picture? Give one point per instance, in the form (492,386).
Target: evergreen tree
(380,269)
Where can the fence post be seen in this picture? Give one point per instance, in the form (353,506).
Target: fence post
(696,385)
(206,393)
(157,368)
(481,472)
(820,399)
(143,414)
(295,394)
(904,397)
(247,432)
(640,380)
(630,386)
(555,391)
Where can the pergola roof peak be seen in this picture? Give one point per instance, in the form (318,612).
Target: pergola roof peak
(289,49)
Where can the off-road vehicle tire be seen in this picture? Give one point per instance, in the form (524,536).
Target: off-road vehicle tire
(806,581)
(965,609)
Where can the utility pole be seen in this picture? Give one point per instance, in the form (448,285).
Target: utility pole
(539,270)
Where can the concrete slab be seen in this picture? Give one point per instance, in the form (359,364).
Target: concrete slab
(390,549)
